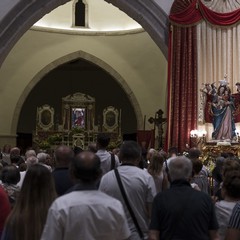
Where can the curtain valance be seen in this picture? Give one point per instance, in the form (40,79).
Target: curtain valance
(196,11)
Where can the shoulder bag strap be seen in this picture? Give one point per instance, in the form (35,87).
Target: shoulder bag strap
(112,161)
(128,204)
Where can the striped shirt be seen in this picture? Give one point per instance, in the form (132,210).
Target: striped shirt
(234,221)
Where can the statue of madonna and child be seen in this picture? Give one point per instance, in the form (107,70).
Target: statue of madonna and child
(220,109)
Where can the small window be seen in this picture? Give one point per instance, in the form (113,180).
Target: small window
(80,11)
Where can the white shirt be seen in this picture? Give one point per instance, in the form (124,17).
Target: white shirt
(105,158)
(86,215)
(140,189)
(22,176)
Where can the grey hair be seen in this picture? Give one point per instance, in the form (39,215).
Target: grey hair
(180,168)
(30,153)
(42,157)
(31,161)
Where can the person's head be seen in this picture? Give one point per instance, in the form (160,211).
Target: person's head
(63,155)
(30,153)
(29,214)
(31,161)
(92,147)
(230,165)
(163,153)
(22,167)
(156,164)
(231,185)
(172,152)
(221,90)
(180,168)
(194,153)
(220,162)
(6,148)
(130,152)
(150,153)
(197,166)
(42,157)
(85,167)
(15,155)
(103,140)
(10,175)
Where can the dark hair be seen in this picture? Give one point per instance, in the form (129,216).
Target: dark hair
(86,167)
(36,196)
(230,165)
(10,174)
(197,165)
(129,151)
(173,150)
(194,153)
(103,140)
(231,184)
(63,155)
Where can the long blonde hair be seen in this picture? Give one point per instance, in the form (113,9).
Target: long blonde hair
(28,216)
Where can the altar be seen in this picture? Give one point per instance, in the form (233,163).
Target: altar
(78,126)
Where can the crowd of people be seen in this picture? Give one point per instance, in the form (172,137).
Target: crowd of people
(124,194)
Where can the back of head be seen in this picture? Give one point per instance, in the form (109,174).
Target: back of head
(103,140)
(37,178)
(30,153)
(14,155)
(92,147)
(230,165)
(150,153)
(10,175)
(220,161)
(31,161)
(197,166)
(130,152)
(194,153)
(180,168)
(42,157)
(231,184)
(36,196)
(156,164)
(63,155)
(172,151)
(86,168)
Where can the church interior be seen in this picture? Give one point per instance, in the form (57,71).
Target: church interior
(78,78)
(126,56)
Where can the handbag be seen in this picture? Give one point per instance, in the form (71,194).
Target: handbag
(140,233)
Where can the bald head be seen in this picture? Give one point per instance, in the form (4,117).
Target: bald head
(86,167)
(63,155)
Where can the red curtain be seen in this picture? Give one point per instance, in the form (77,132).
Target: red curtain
(183,99)
(182,66)
(221,19)
(147,136)
(191,12)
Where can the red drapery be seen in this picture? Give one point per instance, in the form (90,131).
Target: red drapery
(147,136)
(191,12)
(182,66)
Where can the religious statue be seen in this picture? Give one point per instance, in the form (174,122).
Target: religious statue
(159,121)
(220,108)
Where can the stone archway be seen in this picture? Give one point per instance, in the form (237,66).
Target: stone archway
(147,13)
(71,57)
